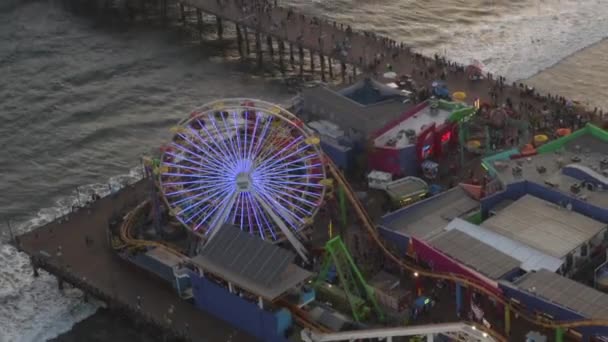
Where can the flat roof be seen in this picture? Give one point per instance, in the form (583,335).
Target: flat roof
(544,226)
(389,284)
(476,254)
(250,263)
(164,256)
(325,103)
(530,259)
(428,217)
(406,187)
(587,301)
(395,137)
(589,149)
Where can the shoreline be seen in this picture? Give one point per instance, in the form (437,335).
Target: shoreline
(568,74)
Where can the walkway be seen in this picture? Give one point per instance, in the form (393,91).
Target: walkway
(61,249)
(369,51)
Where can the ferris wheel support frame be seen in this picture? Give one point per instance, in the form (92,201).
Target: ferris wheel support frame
(276,162)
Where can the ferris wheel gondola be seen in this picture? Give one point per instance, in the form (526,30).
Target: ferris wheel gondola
(244,162)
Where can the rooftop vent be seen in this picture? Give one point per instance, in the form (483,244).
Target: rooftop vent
(575,188)
(517,171)
(576,159)
(604,163)
(541,169)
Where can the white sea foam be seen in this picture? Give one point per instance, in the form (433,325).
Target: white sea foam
(519,46)
(33,309)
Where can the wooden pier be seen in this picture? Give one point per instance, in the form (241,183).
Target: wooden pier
(301,44)
(76,250)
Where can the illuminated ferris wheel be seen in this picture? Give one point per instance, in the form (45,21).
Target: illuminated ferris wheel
(244,162)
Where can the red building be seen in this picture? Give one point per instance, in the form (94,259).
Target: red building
(420,133)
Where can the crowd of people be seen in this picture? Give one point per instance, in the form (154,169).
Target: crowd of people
(372,52)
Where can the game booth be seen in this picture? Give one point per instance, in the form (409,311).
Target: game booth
(423,134)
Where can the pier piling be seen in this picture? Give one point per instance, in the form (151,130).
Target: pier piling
(199,22)
(343,67)
(322,61)
(281,55)
(35,268)
(331,68)
(246,34)
(220,28)
(163,9)
(182,13)
(301,51)
(258,49)
(270,47)
(291,59)
(312,61)
(239,40)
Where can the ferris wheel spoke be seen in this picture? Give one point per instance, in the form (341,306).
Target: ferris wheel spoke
(228,150)
(288,215)
(249,145)
(256,215)
(234,146)
(284,167)
(241,149)
(235,211)
(187,190)
(220,218)
(210,196)
(283,170)
(275,163)
(295,242)
(209,213)
(281,194)
(291,207)
(278,186)
(182,158)
(197,147)
(247,165)
(213,157)
(222,148)
(273,147)
(205,168)
(260,139)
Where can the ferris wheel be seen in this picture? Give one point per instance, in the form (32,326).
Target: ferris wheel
(244,162)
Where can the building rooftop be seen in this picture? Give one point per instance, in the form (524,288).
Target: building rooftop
(165,257)
(544,226)
(397,136)
(428,217)
(250,263)
(407,186)
(565,292)
(324,103)
(530,259)
(580,155)
(369,92)
(474,253)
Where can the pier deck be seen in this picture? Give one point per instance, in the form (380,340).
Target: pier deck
(367,51)
(60,248)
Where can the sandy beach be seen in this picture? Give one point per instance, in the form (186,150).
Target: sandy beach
(581,76)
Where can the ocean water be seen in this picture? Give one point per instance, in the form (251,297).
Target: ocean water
(81,100)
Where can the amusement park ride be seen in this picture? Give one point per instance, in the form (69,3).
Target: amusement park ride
(258,167)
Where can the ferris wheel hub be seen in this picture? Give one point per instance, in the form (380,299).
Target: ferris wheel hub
(243,182)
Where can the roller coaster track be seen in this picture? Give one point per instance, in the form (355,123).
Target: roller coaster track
(129,223)
(300,316)
(468,281)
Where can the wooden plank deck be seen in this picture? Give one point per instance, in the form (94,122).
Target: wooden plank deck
(96,269)
(369,52)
